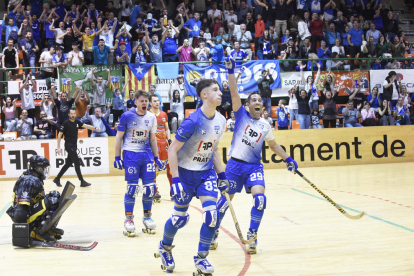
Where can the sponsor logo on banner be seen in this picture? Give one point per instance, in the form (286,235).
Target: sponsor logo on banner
(405,75)
(41,88)
(92,152)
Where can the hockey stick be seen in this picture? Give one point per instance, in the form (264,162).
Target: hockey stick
(64,246)
(330,200)
(236,223)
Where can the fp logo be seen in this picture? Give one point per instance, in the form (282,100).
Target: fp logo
(206,146)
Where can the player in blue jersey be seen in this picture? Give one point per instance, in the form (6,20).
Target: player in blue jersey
(194,161)
(136,133)
(244,168)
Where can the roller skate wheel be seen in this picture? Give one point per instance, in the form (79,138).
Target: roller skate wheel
(163,268)
(144,230)
(152,231)
(169,271)
(252,251)
(156,255)
(213,246)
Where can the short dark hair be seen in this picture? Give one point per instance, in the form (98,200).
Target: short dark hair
(140,93)
(112,2)
(250,96)
(101,40)
(392,73)
(153,96)
(72,109)
(202,84)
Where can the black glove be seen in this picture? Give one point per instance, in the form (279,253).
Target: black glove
(169,142)
(52,200)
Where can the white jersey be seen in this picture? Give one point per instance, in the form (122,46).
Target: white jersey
(201,136)
(137,130)
(249,135)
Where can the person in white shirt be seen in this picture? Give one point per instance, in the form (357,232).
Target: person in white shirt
(47,106)
(108,36)
(75,57)
(58,31)
(231,17)
(46,59)
(231,122)
(26,94)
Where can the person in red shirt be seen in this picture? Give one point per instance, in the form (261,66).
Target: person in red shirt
(316,25)
(163,137)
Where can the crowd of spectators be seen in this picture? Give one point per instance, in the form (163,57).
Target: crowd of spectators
(57,34)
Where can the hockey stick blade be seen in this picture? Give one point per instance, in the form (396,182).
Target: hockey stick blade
(64,246)
(236,223)
(360,215)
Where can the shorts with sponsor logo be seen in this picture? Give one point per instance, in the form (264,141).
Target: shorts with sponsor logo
(139,165)
(242,174)
(198,183)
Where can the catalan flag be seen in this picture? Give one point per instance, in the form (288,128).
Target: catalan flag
(66,85)
(139,76)
(115,84)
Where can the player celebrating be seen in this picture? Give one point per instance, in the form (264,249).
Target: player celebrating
(136,130)
(192,156)
(244,167)
(163,137)
(30,202)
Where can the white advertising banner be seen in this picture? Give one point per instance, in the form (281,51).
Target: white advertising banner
(14,86)
(288,81)
(406,76)
(14,156)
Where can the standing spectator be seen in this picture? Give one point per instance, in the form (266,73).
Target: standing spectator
(324,52)
(305,49)
(374,99)
(139,54)
(391,89)
(121,54)
(391,28)
(282,116)
(303,98)
(63,105)
(46,59)
(201,53)
(185,51)
(368,115)
(135,10)
(44,126)
(231,122)
(155,46)
(82,100)
(118,105)
(176,115)
(108,36)
(303,30)
(68,40)
(75,57)
(281,16)
(26,95)
(9,109)
(46,105)
(169,51)
(374,33)
(385,114)
(126,6)
(231,17)
(125,36)
(59,59)
(151,91)
(99,90)
(69,128)
(293,105)
(131,101)
(193,27)
(101,53)
(239,55)
(265,91)
(58,31)
(397,48)
(10,58)
(357,97)
(25,125)
(29,48)
(216,50)
(355,38)
(244,37)
(10,30)
(88,38)
(331,35)
(352,114)
(226,104)
(96,120)
(401,113)
(310,86)
(214,13)
(242,11)
(316,26)
(339,21)
(329,108)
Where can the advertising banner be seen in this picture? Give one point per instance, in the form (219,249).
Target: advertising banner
(405,75)
(345,80)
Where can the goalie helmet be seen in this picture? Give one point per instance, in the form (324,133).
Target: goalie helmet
(40,165)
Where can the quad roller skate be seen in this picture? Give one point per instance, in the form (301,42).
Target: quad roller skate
(129,226)
(251,247)
(149,225)
(204,268)
(214,242)
(157,197)
(164,252)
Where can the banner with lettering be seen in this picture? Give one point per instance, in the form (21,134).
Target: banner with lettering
(344,81)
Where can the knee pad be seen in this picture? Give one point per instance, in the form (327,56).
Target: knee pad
(132,189)
(149,190)
(259,202)
(210,214)
(179,219)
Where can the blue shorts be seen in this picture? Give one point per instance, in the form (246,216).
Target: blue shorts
(139,165)
(244,174)
(198,183)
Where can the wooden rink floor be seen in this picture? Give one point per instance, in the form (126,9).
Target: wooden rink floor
(300,234)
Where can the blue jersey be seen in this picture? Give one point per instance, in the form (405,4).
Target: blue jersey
(194,27)
(238,56)
(248,137)
(137,130)
(201,136)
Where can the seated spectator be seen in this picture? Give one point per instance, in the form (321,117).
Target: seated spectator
(368,115)
(408,64)
(118,105)
(121,54)
(304,112)
(176,114)
(382,46)
(231,122)
(24,125)
(9,109)
(201,53)
(323,51)
(10,58)
(315,64)
(357,97)
(305,49)
(97,120)
(371,48)
(385,114)
(374,99)
(352,114)
(377,65)
(395,64)
(334,64)
(47,105)
(75,57)
(340,50)
(286,37)
(315,120)
(82,100)
(152,91)
(265,46)
(46,60)
(329,108)
(44,127)
(404,94)
(401,113)
(282,116)
(131,101)
(266,117)
(291,48)
(374,33)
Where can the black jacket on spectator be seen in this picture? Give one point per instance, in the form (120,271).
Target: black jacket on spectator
(303,104)
(387,92)
(264,86)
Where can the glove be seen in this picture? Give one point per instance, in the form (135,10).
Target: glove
(169,142)
(118,163)
(52,200)
(223,183)
(177,190)
(291,165)
(242,69)
(230,65)
(160,165)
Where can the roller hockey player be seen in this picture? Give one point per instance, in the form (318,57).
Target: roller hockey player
(194,162)
(136,132)
(163,138)
(30,204)
(244,168)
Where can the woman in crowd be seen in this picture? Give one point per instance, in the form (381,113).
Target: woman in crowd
(118,104)
(9,107)
(368,115)
(176,115)
(304,111)
(226,105)
(374,99)
(329,108)
(385,114)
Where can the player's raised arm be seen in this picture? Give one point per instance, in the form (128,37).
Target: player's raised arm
(235,97)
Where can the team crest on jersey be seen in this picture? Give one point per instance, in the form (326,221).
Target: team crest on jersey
(217,128)
(134,123)
(163,119)
(146,122)
(261,125)
(203,131)
(37,204)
